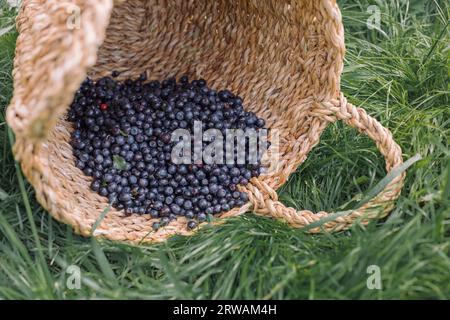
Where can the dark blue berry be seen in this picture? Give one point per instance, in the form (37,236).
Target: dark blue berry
(134,120)
(191,225)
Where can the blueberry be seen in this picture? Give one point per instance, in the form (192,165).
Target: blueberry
(204,190)
(120,140)
(165,211)
(175,209)
(172,169)
(99,159)
(132,179)
(165,221)
(235,172)
(168,191)
(103,192)
(112,187)
(260,123)
(191,225)
(201,217)
(95,185)
(213,188)
(134,120)
(221,193)
(179,201)
(203,204)
(143,182)
(157,205)
(80,164)
(162,173)
(134,131)
(182,169)
(124,197)
(180,115)
(156,226)
(187,205)
(154,213)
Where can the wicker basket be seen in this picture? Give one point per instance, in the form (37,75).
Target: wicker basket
(284,58)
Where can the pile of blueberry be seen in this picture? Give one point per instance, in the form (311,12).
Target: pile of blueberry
(122,139)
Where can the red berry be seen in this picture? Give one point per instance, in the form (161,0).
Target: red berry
(103,106)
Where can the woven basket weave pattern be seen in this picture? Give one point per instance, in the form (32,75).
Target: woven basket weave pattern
(284,58)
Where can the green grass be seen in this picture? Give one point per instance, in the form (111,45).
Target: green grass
(400,76)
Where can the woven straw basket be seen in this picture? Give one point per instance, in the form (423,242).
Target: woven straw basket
(284,58)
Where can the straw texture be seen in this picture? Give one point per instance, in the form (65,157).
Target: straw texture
(284,58)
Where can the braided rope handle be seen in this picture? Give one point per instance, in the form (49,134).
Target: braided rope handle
(380,206)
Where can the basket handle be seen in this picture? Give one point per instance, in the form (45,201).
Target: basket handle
(57,43)
(380,206)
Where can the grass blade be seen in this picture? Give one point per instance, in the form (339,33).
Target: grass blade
(100,218)
(394,173)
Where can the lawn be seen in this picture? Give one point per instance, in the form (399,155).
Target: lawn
(399,73)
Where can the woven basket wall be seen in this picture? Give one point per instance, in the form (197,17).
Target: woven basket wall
(283,57)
